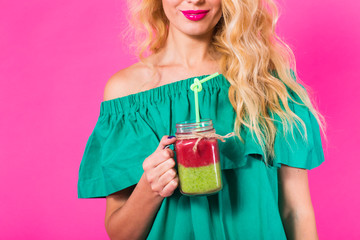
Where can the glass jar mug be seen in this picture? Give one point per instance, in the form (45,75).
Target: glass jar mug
(198,160)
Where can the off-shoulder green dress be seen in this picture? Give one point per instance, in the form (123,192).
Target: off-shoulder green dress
(129,129)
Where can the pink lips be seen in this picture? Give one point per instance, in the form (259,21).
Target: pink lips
(195,15)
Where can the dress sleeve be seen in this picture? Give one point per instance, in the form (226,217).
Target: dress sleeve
(114,154)
(295,151)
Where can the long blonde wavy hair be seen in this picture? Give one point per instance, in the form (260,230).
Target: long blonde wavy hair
(251,52)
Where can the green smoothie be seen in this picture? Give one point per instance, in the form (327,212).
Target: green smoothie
(200,180)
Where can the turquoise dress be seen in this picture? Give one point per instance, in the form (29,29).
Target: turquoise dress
(129,129)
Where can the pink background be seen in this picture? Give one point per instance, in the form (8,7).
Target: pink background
(55,58)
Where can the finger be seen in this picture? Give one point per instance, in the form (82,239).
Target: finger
(168,153)
(165,166)
(169,189)
(163,156)
(166,140)
(158,158)
(167,177)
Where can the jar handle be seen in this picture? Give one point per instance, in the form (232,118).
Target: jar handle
(168,146)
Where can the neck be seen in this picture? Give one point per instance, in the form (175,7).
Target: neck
(185,50)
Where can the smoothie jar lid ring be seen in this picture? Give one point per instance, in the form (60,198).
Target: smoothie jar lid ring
(188,127)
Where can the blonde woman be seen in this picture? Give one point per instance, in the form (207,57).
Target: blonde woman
(265,191)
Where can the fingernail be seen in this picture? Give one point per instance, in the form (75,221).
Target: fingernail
(170,137)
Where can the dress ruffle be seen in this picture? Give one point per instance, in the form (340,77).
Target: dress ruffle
(129,129)
(294,150)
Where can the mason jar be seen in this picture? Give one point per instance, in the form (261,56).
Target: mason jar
(198,160)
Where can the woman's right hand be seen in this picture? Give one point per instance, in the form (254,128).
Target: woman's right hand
(159,169)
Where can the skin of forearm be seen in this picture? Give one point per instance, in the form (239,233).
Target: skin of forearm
(300,224)
(134,219)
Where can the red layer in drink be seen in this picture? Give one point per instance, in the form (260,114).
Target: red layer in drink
(207,152)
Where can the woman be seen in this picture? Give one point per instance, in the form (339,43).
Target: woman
(265,191)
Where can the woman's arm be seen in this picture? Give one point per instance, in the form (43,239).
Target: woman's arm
(131,211)
(295,205)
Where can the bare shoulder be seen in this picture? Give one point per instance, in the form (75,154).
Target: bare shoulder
(125,82)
